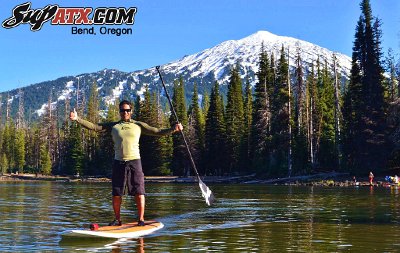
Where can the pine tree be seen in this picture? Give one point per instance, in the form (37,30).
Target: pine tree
(300,154)
(180,162)
(49,129)
(19,150)
(392,82)
(92,147)
(137,105)
(164,143)
(215,134)
(397,70)
(45,160)
(195,135)
(234,119)
(364,106)
(20,121)
(312,120)
(150,145)
(245,163)
(280,118)
(8,108)
(299,103)
(337,115)
(290,119)
(261,118)
(74,157)
(9,144)
(205,103)
(32,142)
(106,153)
(327,151)
(63,132)
(3,157)
(3,163)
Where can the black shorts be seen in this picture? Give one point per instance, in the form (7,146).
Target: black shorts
(127,178)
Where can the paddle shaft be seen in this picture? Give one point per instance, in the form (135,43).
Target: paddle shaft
(177,119)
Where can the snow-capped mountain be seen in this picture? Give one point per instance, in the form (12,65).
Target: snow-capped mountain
(204,68)
(219,59)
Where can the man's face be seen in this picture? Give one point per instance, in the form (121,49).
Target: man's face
(125,112)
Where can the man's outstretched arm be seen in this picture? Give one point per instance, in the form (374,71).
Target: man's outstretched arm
(86,124)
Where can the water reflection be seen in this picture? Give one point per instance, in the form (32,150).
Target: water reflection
(102,244)
(139,245)
(246,218)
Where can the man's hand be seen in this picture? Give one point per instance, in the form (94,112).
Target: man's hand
(178,127)
(73,115)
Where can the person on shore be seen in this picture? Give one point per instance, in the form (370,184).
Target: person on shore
(127,173)
(355,181)
(371,178)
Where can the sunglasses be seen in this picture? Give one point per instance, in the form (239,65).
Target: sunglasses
(124,110)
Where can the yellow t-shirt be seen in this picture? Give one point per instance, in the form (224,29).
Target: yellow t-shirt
(126,135)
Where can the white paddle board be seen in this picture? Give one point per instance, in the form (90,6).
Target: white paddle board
(128,230)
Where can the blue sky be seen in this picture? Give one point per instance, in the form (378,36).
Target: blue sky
(167,30)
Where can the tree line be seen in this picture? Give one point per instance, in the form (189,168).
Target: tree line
(290,123)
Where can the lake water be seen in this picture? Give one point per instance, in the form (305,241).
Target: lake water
(245,218)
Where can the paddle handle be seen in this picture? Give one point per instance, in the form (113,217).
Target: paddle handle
(177,119)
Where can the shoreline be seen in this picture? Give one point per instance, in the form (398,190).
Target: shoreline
(330,179)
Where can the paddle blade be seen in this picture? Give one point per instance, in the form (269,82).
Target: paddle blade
(207,193)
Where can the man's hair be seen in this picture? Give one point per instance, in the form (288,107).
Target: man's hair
(125,102)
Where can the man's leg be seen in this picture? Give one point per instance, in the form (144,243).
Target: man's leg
(140,203)
(116,202)
(118,183)
(137,181)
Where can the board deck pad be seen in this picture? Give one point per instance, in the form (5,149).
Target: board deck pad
(127,230)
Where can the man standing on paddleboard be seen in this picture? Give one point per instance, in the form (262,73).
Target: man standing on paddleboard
(127,168)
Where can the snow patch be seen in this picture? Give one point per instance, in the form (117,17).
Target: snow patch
(44,107)
(141,92)
(116,92)
(69,88)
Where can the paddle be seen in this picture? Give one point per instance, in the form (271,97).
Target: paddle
(205,191)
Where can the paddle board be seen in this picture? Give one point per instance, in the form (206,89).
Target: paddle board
(128,230)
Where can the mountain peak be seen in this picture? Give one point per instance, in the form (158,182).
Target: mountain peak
(261,36)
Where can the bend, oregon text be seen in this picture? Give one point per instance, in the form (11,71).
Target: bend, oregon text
(103,30)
